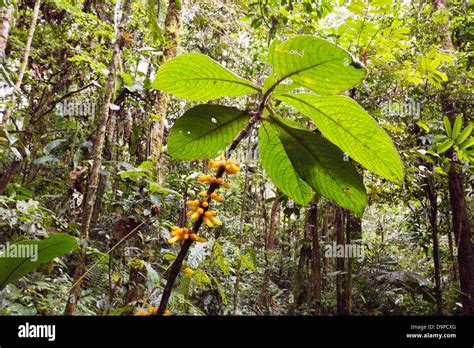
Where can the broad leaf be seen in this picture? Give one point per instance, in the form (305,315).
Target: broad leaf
(316,64)
(195,76)
(204,131)
(464,134)
(323,166)
(346,124)
(278,167)
(456,127)
(447,126)
(13,268)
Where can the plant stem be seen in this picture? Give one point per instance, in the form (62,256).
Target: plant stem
(178,262)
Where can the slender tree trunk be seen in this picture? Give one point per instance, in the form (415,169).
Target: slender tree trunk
(340,261)
(98,146)
(26,56)
(462,234)
(460,216)
(172,25)
(241,227)
(304,255)
(270,245)
(5,26)
(6,17)
(432,197)
(315,258)
(325,240)
(454,270)
(353,231)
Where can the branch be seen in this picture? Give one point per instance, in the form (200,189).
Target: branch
(178,262)
(67,95)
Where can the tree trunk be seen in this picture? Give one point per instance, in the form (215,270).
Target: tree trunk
(26,56)
(454,271)
(270,245)
(315,258)
(461,226)
(304,255)
(432,197)
(462,234)
(460,216)
(325,240)
(172,25)
(243,211)
(340,282)
(353,231)
(6,17)
(98,146)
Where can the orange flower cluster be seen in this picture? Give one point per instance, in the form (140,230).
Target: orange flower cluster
(182,233)
(229,165)
(199,207)
(150,311)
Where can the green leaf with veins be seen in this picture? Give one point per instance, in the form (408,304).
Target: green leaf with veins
(321,164)
(195,76)
(345,123)
(204,131)
(278,166)
(315,64)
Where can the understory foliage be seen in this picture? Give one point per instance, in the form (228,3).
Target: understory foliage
(248,146)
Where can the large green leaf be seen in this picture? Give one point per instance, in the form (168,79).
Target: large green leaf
(204,131)
(277,165)
(13,267)
(321,164)
(349,126)
(316,64)
(195,76)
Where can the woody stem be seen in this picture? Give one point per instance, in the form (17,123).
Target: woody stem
(178,262)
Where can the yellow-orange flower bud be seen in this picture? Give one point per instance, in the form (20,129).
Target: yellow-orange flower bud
(152,309)
(173,240)
(141,314)
(208,222)
(215,221)
(204,178)
(188,271)
(192,211)
(216,181)
(210,213)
